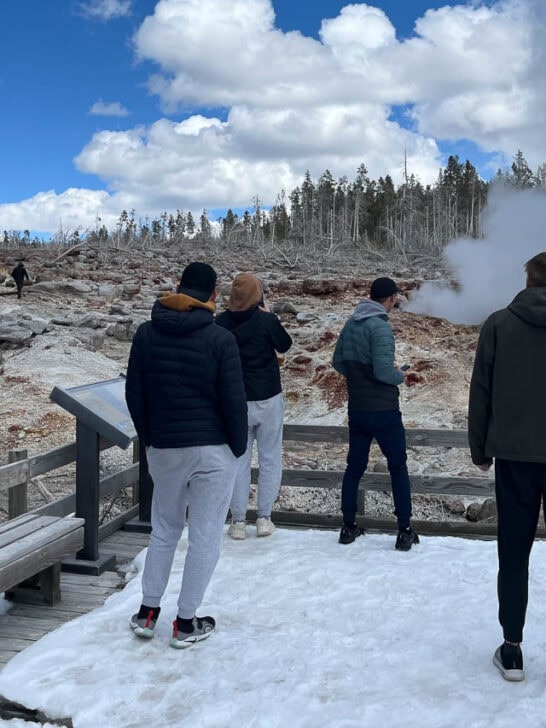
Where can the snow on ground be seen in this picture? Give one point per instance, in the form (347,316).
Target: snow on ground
(310,633)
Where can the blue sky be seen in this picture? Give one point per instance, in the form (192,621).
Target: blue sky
(79,110)
(307,16)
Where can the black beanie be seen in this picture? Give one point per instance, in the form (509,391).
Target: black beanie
(198,281)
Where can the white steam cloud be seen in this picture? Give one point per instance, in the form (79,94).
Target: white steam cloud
(489,271)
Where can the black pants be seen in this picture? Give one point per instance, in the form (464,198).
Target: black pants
(388,430)
(520,488)
(19,285)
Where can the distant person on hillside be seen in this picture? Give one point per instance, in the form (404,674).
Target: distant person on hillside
(19,275)
(186,396)
(506,423)
(364,354)
(260,335)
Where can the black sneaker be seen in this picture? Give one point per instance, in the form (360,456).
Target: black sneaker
(349,533)
(405,539)
(144,622)
(186,635)
(509,660)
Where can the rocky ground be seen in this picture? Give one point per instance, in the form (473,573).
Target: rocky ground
(75,323)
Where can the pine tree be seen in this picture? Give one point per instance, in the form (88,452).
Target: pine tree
(190,225)
(522,177)
(205,228)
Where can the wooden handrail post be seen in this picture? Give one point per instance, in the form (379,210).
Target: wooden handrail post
(145,487)
(361,502)
(136,458)
(87,488)
(144,491)
(18,494)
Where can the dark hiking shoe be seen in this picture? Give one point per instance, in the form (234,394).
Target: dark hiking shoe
(187,632)
(405,539)
(143,623)
(349,533)
(509,660)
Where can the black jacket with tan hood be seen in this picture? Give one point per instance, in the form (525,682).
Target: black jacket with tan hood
(507,409)
(259,334)
(184,381)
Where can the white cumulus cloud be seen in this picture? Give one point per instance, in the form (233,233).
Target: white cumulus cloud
(112,108)
(106,9)
(73,209)
(291,103)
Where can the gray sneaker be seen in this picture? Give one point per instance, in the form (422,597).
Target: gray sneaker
(509,661)
(202,627)
(143,623)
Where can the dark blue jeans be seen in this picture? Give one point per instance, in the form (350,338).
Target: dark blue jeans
(388,430)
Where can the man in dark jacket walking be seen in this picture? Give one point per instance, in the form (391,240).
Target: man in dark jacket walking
(364,354)
(186,396)
(19,275)
(506,414)
(260,335)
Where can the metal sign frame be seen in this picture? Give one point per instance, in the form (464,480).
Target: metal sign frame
(100,407)
(100,410)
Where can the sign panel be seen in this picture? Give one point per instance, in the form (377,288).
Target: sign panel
(102,407)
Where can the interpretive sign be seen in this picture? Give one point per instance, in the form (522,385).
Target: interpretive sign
(102,407)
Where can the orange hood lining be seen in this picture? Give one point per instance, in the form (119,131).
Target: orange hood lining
(183,302)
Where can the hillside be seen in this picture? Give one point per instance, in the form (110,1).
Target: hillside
(75,323)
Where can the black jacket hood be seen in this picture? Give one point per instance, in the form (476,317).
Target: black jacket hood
(530,306)
(259,335)
(177,322)
(244,324)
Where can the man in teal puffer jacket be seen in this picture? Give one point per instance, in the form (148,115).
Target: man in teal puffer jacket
(364,354)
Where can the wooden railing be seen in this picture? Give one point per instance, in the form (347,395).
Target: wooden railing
(20,473)
(16,476)
(437,484)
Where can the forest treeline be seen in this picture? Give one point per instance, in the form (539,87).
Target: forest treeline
(328,214)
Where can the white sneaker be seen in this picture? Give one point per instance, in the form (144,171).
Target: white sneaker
(237,530)
(265,526)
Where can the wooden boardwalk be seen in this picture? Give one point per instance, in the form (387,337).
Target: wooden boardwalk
(23,624)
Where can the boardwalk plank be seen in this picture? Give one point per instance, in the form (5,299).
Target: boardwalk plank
(80,593)
(104,591)
(16,644)
(64,611)
(109,579)
(26,628)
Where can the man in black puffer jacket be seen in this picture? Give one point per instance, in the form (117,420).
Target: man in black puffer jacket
(506,414)
(185,393)
(260,335)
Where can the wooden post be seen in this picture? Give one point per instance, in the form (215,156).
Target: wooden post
(87,488)
(136,458)
(18,494)
(88,560)
(361,503)
(145,487)
(144,490)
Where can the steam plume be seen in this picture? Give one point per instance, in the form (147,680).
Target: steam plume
(489,271)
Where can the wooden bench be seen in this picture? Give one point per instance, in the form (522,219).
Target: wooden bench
(31,550)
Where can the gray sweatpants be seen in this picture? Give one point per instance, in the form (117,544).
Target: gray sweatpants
(201,480)
(265,421)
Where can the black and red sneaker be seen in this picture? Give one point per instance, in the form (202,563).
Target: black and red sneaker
(186,632)
(143,623)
